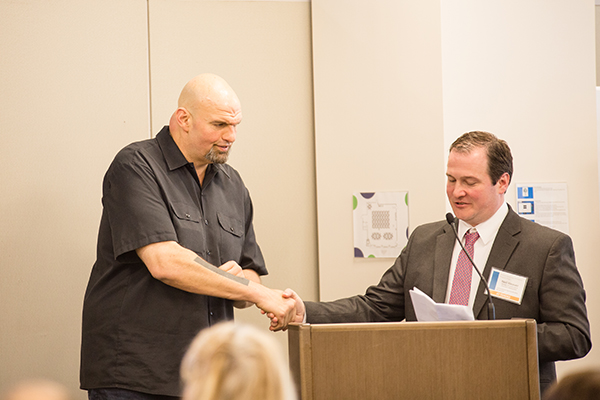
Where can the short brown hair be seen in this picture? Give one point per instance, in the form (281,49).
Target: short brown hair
(582,385)
(500,159)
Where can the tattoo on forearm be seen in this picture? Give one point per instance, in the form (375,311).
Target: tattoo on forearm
(216,270)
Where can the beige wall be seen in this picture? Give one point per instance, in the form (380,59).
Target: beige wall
(597,14)
(78,84)
(74,84)
(378,120)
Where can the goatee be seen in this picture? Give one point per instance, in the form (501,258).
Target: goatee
(217,157)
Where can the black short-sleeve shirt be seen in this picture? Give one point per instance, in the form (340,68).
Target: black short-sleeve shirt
(136,328)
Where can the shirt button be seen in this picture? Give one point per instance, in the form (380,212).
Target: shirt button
(206,222)
(208,252)
(187,216)
(231,229)
(212,314)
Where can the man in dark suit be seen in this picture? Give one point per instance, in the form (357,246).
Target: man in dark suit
(478,174)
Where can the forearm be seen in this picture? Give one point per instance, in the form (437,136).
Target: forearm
(558,341)
(383,302)
(178,267)
(253,276)
(351,309)
(563,325)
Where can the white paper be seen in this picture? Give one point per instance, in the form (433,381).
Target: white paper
(428,310)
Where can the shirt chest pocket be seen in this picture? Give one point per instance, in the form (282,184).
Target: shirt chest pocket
(231,225)
(186,221)
(185,212)
(231,242)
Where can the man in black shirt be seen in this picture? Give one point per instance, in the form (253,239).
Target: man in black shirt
(172,209)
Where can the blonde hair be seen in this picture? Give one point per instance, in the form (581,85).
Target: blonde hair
(235,361)
(37,389)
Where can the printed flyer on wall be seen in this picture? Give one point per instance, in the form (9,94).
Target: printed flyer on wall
(380,224)
(544,203)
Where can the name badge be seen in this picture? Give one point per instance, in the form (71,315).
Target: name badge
(507,286)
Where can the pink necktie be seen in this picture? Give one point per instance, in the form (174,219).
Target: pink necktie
(461,285)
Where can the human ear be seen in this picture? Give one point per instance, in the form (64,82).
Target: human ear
(503,183)
(183,118)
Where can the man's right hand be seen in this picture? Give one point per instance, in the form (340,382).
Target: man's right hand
(281,309)
(298,316)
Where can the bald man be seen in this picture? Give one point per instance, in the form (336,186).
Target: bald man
(176,250)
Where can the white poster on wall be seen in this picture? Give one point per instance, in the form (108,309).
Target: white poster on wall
(380,224)
(544,203)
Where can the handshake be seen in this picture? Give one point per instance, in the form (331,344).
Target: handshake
(282,307)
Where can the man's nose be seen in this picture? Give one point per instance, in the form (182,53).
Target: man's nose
(458,190)
(230,133)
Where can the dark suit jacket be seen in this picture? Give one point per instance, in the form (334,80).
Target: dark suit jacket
(554,295)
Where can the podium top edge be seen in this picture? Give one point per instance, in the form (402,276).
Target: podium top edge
(479,324)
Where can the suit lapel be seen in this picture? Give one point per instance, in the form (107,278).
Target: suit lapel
(441,268)
(502,249)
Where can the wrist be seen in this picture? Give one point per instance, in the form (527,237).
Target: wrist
(255,292)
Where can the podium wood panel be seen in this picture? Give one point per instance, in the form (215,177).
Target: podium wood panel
(416,360)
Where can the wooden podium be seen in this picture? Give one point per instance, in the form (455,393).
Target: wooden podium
(416,360)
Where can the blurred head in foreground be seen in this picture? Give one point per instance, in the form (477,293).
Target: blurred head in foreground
(583,385)
(38,389)
(235,361)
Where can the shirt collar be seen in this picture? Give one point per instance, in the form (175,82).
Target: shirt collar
(487,230)
(175,158)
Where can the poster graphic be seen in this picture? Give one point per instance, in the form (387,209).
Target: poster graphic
(544,203)
(380,224)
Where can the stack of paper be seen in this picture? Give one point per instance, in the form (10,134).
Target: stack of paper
(428,310)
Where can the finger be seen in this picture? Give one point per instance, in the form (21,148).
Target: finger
(275,327)
(227,266)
